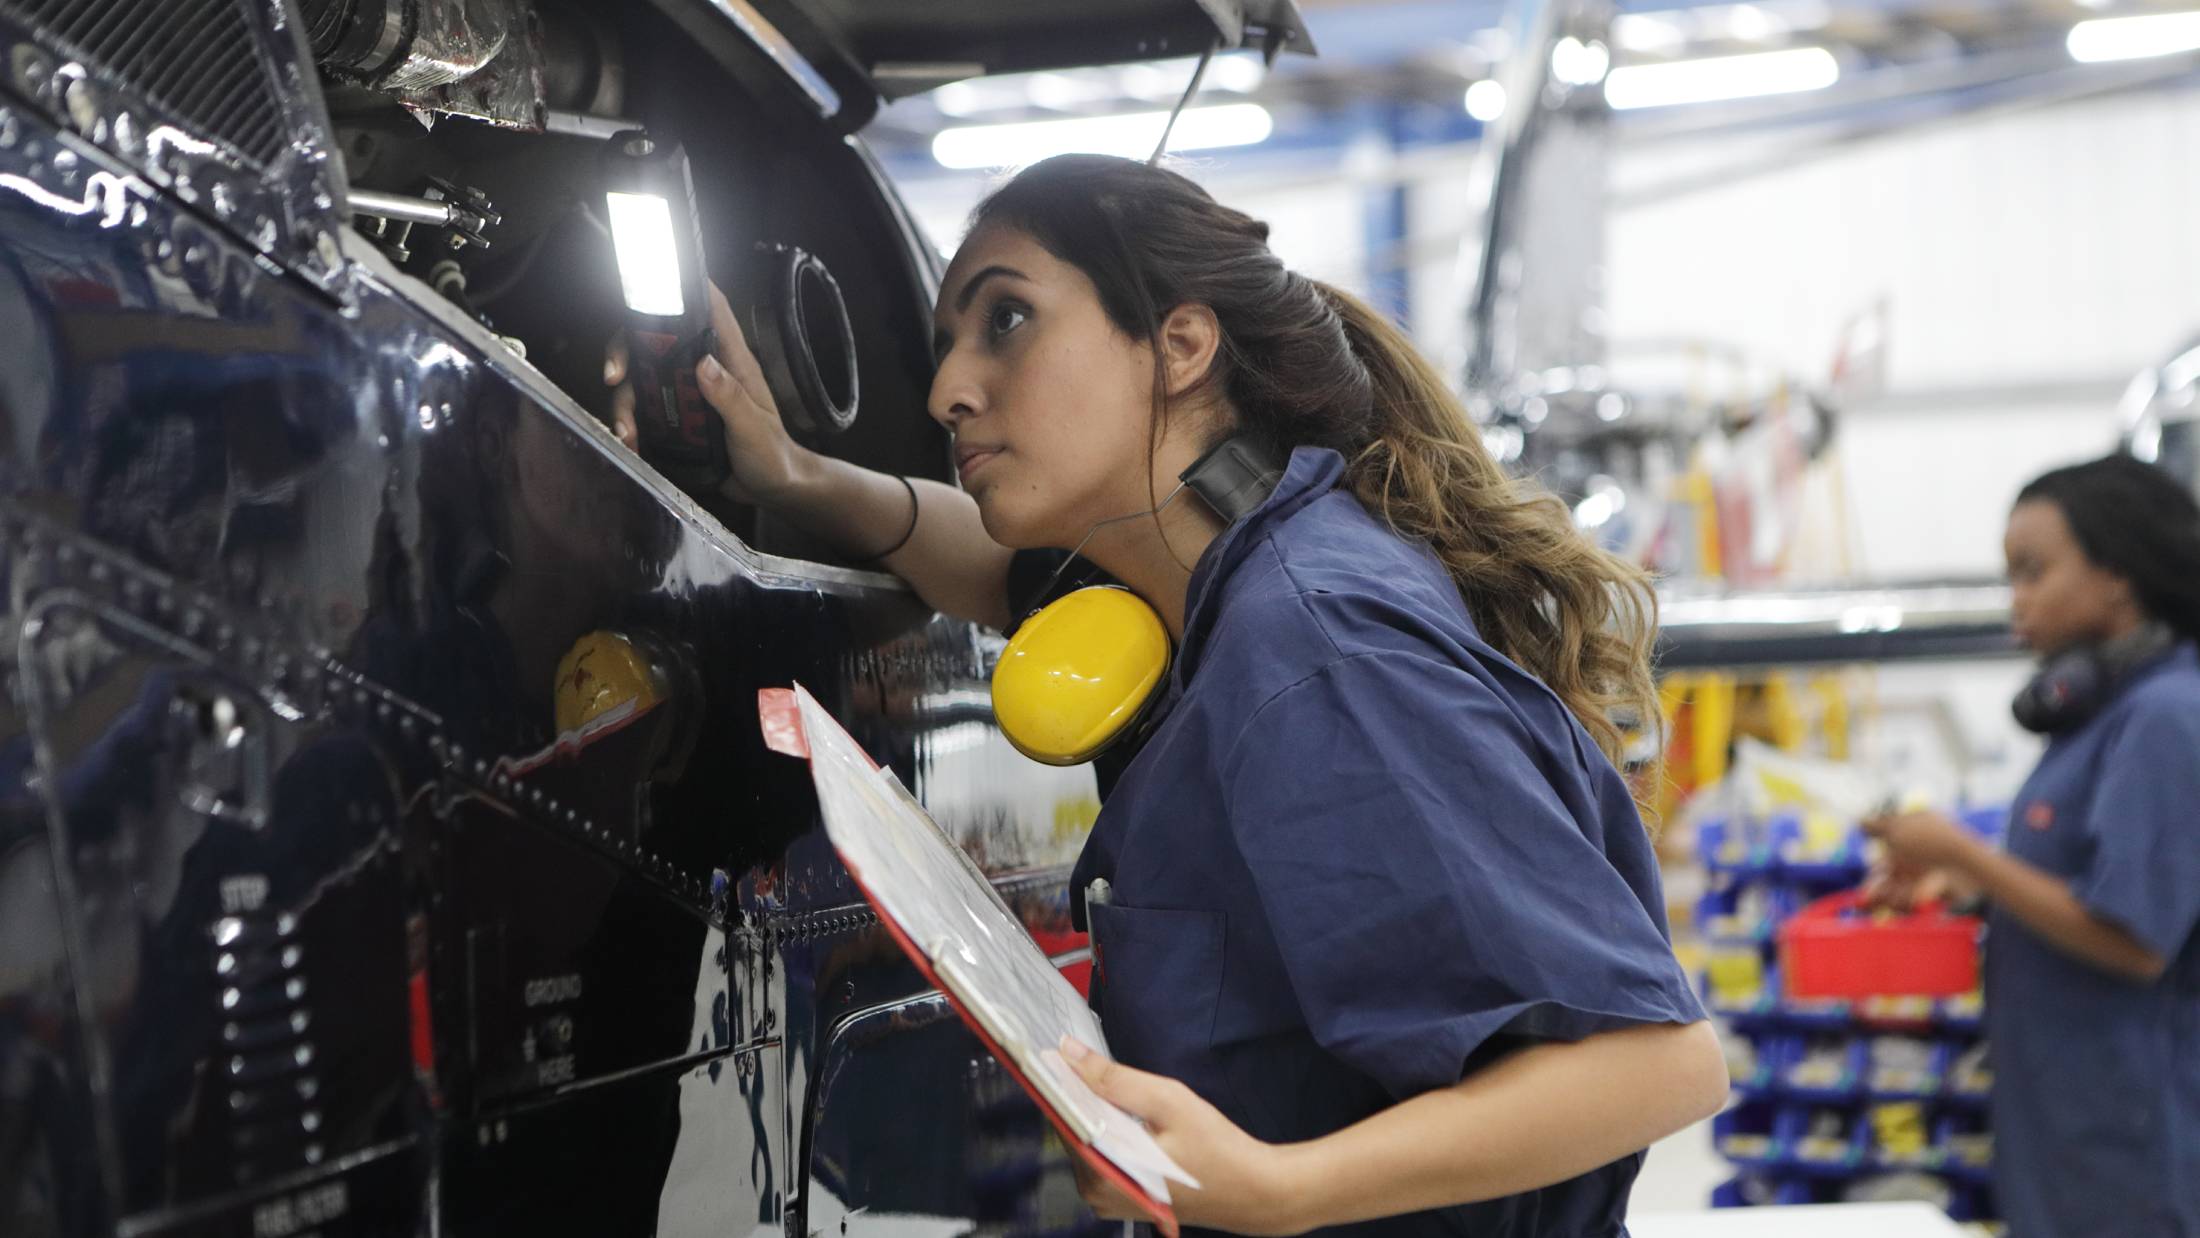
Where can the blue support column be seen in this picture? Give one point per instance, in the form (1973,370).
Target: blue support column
(1384,214)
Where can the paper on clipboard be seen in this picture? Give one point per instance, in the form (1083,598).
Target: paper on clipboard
(955,927)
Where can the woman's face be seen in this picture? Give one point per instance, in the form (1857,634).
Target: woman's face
(1049,403)
(2059,598)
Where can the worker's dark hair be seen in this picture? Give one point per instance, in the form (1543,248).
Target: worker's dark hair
(2137,521)
(1303,363)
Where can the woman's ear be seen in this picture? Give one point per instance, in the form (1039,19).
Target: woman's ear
(2123,597)
(1190,338)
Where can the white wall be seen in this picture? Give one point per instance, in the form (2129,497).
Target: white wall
(1927,490)
(2047,245)
(2029,263)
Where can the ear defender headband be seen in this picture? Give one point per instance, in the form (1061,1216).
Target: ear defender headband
(2071,687)
(1083,671)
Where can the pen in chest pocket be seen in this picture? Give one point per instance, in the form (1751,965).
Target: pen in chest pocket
(1098,893)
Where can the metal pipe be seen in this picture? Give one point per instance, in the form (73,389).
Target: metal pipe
(403,208)
(1859,624)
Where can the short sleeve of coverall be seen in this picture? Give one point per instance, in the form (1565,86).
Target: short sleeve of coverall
(1427,887)
(2145,867)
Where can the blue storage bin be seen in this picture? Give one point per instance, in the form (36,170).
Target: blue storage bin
(1966,1089)
(1960,1016)
(1966,1147)
(1839,1088)
(1774,1055)
(1820,874)
(1838,1154)
(1747,1136)
(1726,918)
(1735,848)
(1744,1191)
(1890,1084)
(1897,1015)
(1769,1134)
(1901,1155)
(1815,1015)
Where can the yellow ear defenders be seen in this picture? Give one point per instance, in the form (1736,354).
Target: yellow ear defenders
(1080,672)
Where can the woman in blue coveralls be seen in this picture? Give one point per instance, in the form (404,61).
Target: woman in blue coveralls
(1385,951)
(2092,974)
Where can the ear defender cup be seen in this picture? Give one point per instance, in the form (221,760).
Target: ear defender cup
(2072,686)
(2065,692)
(1079,674)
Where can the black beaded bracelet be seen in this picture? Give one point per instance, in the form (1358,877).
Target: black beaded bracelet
(914,511)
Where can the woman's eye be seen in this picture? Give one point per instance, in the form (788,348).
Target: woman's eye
(1005,318)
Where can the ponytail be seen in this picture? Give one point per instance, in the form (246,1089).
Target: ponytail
(1578,617)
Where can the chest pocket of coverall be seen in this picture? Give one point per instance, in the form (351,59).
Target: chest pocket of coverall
(1159,974)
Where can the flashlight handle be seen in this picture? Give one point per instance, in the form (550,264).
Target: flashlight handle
(675,427)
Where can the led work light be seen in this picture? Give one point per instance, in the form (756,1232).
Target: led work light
(650,198)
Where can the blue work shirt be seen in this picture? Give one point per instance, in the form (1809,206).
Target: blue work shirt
(1362,854)
(2096,1077)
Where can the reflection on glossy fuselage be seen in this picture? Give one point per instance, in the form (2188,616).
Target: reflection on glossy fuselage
(307,923)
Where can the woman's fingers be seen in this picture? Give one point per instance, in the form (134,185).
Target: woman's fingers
(622,417)
(1889,888)
(614,360)
(1150,1098)
(622,391)
(1103,1196)
(733,352)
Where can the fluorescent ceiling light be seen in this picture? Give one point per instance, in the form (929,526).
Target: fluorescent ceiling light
(1239,75)
(1579,64)
(649,264)
(1131,136)
(1074,89)
(1150,83)
(2130,38)
(1751,24)
(1062,92)
(1721,77)
(1647,32)
(1486,100)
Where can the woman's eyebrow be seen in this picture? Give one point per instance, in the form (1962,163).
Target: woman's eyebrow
(942,338)
(970,290)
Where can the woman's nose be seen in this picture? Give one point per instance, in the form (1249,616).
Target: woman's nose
(955,398)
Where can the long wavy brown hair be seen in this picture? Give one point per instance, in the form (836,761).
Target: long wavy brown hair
(1303,363)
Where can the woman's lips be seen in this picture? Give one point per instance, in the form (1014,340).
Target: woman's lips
(970,461)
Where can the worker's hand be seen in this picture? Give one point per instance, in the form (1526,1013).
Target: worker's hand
(1916,841)
(1903,888)
(1245,1186)
(764,458)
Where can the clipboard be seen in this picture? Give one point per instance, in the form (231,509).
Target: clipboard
(965,941)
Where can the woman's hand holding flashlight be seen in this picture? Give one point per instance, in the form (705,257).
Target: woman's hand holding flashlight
(765,459)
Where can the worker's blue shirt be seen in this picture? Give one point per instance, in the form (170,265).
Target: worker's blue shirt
(1362,854)
(2097,1078)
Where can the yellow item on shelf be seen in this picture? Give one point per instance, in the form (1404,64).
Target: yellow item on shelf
(1736,976)
(1900,1131)
(1823,834)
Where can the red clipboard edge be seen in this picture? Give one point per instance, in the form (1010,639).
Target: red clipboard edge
(782,721)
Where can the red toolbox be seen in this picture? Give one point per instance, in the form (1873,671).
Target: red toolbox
(1838,948)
